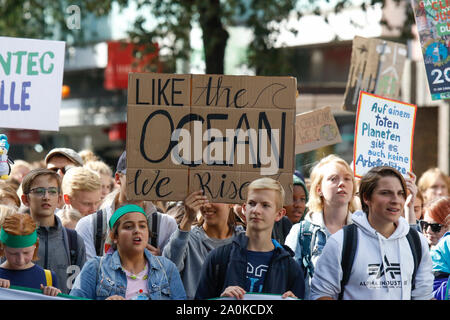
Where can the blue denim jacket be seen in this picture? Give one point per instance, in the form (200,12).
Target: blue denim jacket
(102,277)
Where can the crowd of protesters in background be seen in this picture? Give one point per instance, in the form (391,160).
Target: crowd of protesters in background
(81,230)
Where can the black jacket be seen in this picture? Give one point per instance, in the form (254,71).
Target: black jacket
(227,266)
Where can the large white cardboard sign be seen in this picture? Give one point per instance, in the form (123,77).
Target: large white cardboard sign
(31,73)
(384,134)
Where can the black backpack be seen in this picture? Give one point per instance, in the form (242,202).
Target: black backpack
(100,228)
(350,244)
(73,245)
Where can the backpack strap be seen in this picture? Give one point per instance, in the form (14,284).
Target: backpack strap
(348,254)
(305,240)
(154,227)
(73,245)
(416,250)
(99,232)
(448,287)
(48,277)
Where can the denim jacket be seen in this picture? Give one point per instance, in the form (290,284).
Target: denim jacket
(102,277)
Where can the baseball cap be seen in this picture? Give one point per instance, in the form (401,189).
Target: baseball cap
(66,152)
(122,163)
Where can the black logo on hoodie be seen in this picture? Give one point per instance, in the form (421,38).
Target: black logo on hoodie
(377,269)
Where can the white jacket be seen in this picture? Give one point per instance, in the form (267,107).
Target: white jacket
(382,269)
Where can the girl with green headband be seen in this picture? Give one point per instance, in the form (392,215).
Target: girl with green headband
(19,245)
(129,271)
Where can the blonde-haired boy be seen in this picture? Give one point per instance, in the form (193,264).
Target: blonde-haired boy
(106,175)
(82,190)
(254,262)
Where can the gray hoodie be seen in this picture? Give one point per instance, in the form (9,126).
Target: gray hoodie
(188,250)
(54,254)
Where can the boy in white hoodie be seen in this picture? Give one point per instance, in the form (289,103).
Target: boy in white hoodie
(383,264)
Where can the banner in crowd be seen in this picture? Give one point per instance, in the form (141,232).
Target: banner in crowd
(433,26)
(31,74)
(315,129)
(376,67)
(384,133)
(28,294)
(210,132)
(259,296)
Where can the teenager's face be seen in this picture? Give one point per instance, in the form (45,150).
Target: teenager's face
(57,163)
(261,211)
(336,186)
(216,213)
(132,233)
(418,205)
(386,202)
(42,205)
(106,185)
(295,211)
(437,189)
(86,202)
(121,181)
(432,237)
(19,258)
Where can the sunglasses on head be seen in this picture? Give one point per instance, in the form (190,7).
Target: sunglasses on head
(435,227)
(63,169)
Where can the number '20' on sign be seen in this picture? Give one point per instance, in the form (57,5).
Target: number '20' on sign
(438,74)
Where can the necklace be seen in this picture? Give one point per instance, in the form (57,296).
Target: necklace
(140,276)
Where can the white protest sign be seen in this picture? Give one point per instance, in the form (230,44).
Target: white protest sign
(384,134)
(31,73)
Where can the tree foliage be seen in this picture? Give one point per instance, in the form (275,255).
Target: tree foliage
(172,21)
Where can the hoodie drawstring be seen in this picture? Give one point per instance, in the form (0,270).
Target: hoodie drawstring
(383,255)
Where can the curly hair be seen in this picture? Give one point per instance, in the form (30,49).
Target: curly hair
(19,224)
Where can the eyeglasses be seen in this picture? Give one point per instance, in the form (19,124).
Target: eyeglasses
(435,227)
(40,192)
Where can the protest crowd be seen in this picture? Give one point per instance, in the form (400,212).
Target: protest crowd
(205,198)
(67,227)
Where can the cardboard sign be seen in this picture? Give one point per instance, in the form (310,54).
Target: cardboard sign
(433,25)
(384,134)
(31,73)
(376,67)
(315,129)
(211,132)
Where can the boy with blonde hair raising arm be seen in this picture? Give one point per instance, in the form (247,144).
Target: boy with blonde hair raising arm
(254,262)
